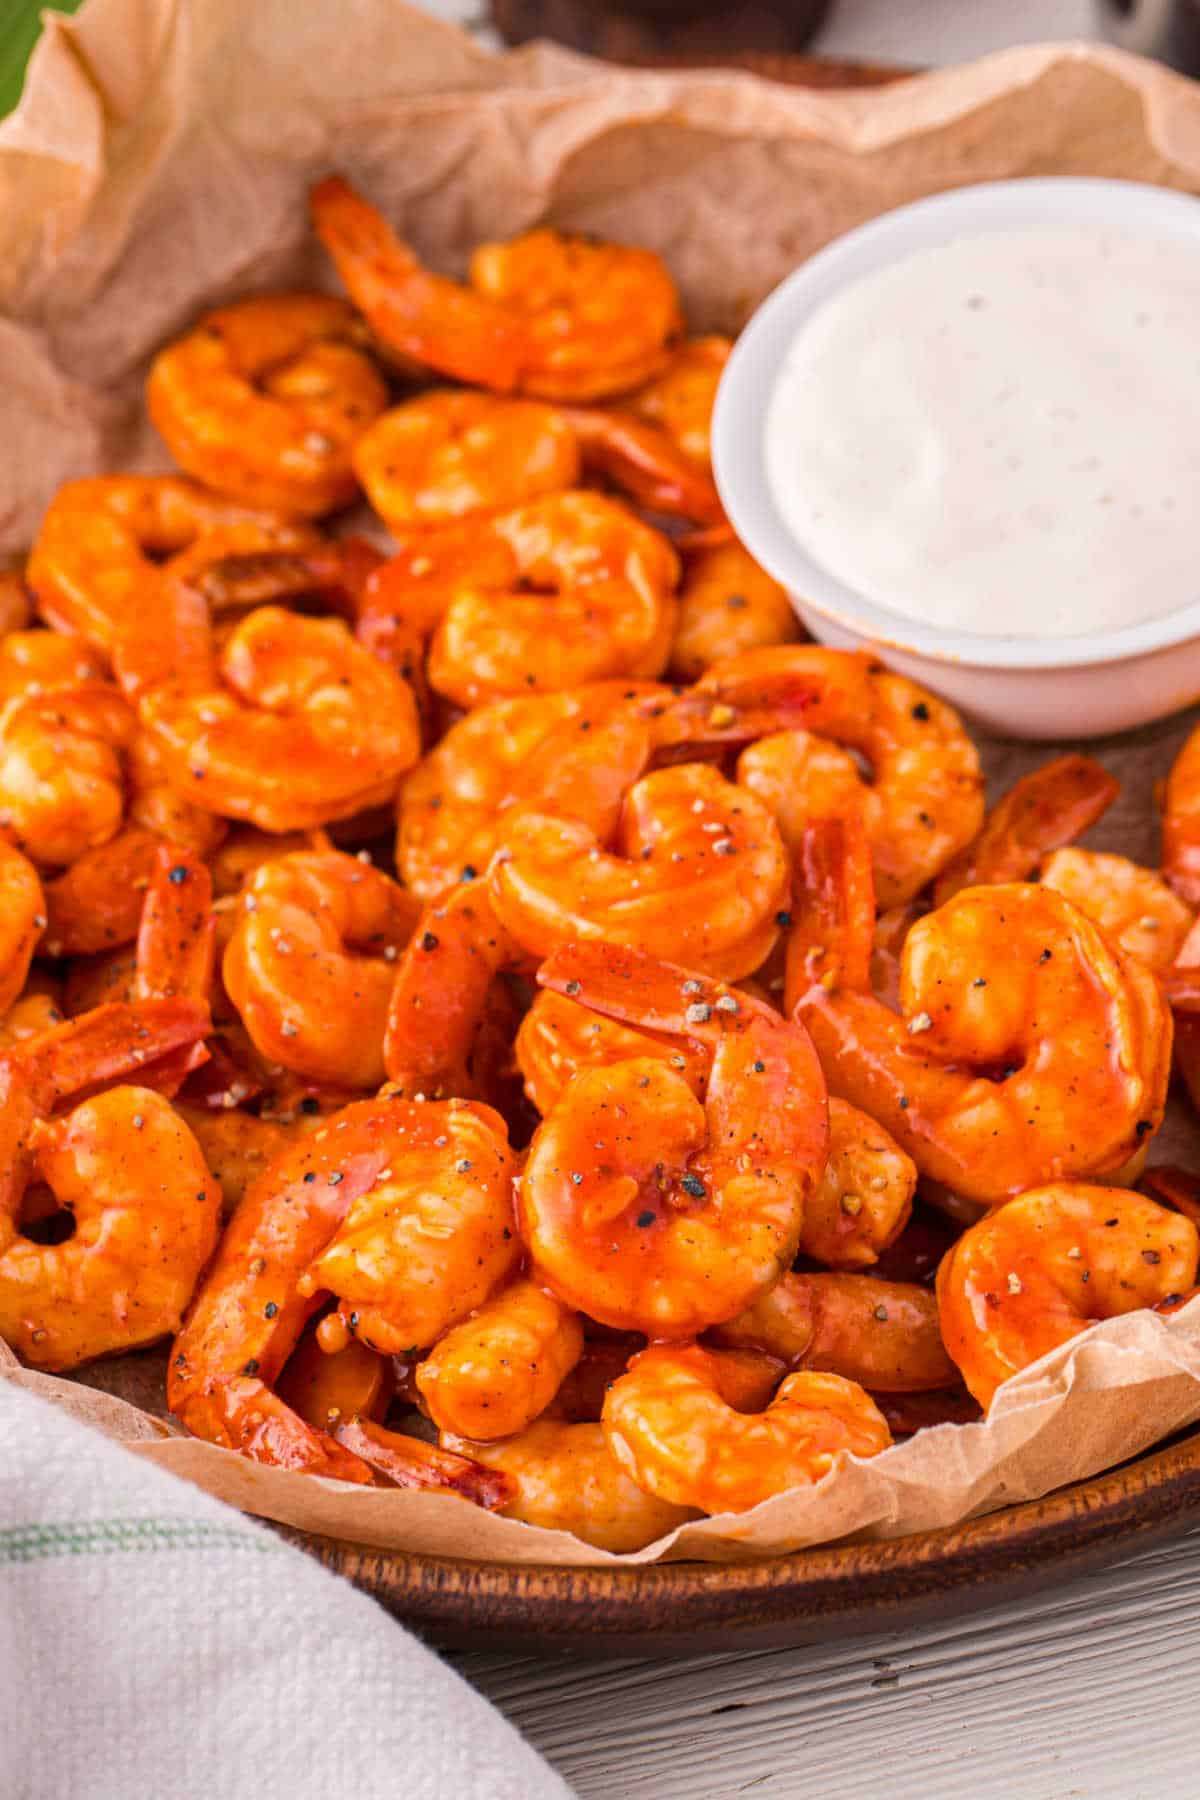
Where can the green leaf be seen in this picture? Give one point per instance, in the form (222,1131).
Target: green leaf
(20,27)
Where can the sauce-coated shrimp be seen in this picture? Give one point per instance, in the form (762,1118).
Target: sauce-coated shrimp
(669,1424)
(558,316)
(292,726)
(145,1207)
(325,1387)
(925,798)
(727,605)
(864,1198)
(236,1145)
(643,1206)
(567,1479)
(22,921)
(36,660)
(1028,1049)
(680,400)
(95,905)
(16,601)
(597,319)
(419,315)
(558,1038)
(93,564)
(146,1213)
(451,455)
(697,871)
(1040,813)
(439,1000)
(647,464)
(62,788)
(588,595)
(264,399)
(311,963)
(402,1211)
(498,1371)
(510,753)
(882,1334)
(1038,1271)
(1181,822)
(1134,908)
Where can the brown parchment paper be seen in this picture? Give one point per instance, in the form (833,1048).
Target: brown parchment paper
(159,163)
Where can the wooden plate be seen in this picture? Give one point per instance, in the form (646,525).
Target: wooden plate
(673,1608)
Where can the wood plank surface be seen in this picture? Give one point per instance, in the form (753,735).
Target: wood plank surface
(1090,1692)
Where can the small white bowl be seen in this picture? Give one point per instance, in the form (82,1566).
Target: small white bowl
(1087,686)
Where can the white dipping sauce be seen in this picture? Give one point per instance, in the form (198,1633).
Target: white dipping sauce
(1003,435)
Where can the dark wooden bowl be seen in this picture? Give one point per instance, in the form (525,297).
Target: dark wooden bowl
(677,1608)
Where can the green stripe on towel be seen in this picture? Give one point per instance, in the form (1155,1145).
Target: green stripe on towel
(108,1537)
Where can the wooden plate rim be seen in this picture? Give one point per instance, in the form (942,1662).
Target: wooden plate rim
(860,1587)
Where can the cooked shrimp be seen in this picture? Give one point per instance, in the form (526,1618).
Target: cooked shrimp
(588,595)
(925,799)
(697,872)
(93,565)
(727,605)
(645,462)
(418,315)
(264,399)
(505,754)
(146,1213)
(246,849)
(863,1201)
(451,455)
(33,1012)
(561,317)
(431,1239)
(145,1207)
(1187,1025)
(680,400)
(567,1479)
(559,1038)
(1041,812)
(670,1426)
(402,1211)
(327,1387)
(236,1145)
(1136,911)
(292,726)
(96,905)
(1036,1272)
(36,660)
(155,803)
(643,1206)
(1028,1050)
(22,921)
(408,1462)
(597,319)
(62,788)
(883,1334)
(441,992)
(498,1371)
(16,602)
(311,962)
(1181,822)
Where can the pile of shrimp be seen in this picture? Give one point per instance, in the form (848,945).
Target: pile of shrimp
(517,1021)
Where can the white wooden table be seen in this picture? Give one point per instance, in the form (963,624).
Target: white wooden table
(1091,1692)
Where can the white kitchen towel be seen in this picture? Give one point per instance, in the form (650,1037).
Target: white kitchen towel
(156,1645)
